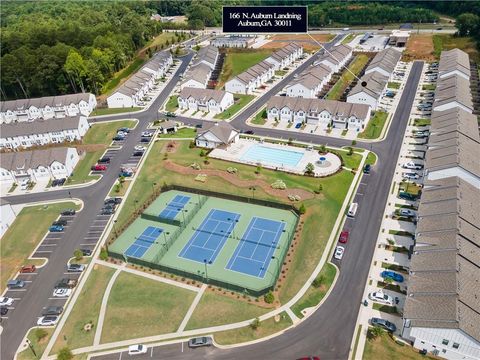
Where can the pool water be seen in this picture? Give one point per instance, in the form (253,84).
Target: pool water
(268,155)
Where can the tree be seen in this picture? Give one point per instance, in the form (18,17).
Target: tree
(103,254)
(350,151)
(468,24)
(258,169)
(255,324)
(323,149)
(302,209)
(65,354)
(318,281)
(78,254)
(309,169)
(374,332)
(269,297)
(76,69)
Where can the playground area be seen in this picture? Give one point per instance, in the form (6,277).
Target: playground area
(238,245)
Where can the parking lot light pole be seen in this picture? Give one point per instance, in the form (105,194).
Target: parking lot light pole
(31,348)
(206,271)
(115,228)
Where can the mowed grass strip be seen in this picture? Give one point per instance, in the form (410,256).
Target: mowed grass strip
(216,309)
(240,102)
(266,328)
(85,310)
(38,344)
(23,236)
(180,133)
(347,77)
(375,126)
(239,60)
(111,111)
(139,307)
(172,103)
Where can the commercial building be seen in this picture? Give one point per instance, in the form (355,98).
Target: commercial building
(206,100)
(398,38)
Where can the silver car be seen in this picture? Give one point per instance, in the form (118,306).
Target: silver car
(200,341)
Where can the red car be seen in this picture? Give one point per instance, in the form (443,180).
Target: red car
(99,167)
(344,237)
(28,269)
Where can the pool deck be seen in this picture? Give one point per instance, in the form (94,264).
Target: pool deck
(235,151)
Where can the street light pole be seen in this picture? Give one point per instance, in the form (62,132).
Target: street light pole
(115,228)
(31,347)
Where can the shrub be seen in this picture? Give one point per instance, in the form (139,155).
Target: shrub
(258,169)
(192,144)
(318,281)
(374,332)
(309,169)
(65,354)
(350,151)
(354,142)
(40,334)
(255,323)
(323,149)
(302,209)
(202,153)
(269,297)
(78,254)
(103,254)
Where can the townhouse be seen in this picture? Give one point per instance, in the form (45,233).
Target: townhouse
(132,91)
(384,62)
(454,62)
(285,56)
(207,100)
(310,83)
(38,165)
(336,58)
(200,71)
(47,107)
(232,41)
(7,216)
(452,92)
(218,134)
(207,55)
(42,132)
(371,93)
(323,113)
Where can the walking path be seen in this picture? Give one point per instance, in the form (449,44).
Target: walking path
(192,308)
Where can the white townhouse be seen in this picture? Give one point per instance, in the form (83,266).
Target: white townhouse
(42,132)
(197,76)
(38,165)
(215,101)
(7,216)
(218,134)
(251,79)
(285,56)
(47,107)
(207,55)
(335,58)
(371,93)
(158,64)
(234,41)
(453,92)
(310,83)
(384,62)
(454,62)
(318,112)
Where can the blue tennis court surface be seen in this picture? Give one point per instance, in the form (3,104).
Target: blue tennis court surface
(211,235)
(143,242)
(254,252)
(174,207)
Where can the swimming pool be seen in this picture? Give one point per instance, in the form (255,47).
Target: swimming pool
(269,155)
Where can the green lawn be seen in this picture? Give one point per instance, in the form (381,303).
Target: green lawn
(384,347)
(347,77)
(447,42)
(393,85)
(371,158)
(314,295)
(260,118)
(24,234)
(239,60)
(421,122)
(267,327)
(375,126)
(122,188)
(86,310)
(107,111)
(181,133)
(349,38)
(215,309)
(172,103)
(38,344)
(240,102)
(99,137)
(429,87)
(280,72)
(139,307)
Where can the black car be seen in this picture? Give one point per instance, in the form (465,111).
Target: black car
(61,222)
(118,138)
(198,126)
(3,310)
(52,310)
(107,212)
(54,182)
(384,324)
(68,212)
(110,206)
(367,168)
(86,252)
(114,200)
(61,181)
(250,132)
(138,153)
(104,160)
(145,140)
(66,284)
(124,129)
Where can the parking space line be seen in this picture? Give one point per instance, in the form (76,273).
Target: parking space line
(87,244)
(47,245)
(43,251)
(18,290)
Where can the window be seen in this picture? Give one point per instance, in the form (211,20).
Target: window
(445,342)
(456,345)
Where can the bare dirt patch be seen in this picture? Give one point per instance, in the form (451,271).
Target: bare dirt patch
(419,47)
(282,40)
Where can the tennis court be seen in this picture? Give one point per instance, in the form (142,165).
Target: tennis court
(209,238)
(256,248)
(174,207)
(143,242)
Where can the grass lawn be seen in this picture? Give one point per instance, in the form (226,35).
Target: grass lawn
(107,111)
(280,72)
(267,327)
(429,87)
(122,188)
(350,161)
(385,308)
(393,85)
(39,339)
(447,42)
(239,60)
(122,74)
(139,307)
(215,309)
(240,102)
(371,158)
(96,140)
(86,310)
(375,126)
(181,133)
(349,38)
(260,118)
(172,103)
(24,234)
(315,294)
(347,77)
(384,347)
(421,122)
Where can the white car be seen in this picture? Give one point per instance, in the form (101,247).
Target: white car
(62,293)
(411,176)
(147,134)
(140,148)
(47,320)
(137,349)
(380,297)
(412,166)
(6,301)
(339,252)
(406,212)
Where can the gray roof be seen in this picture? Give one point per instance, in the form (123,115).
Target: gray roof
(314,76)
(386,59)
(207,54)
(453,88)
(200,73)
(336,55)
(168,124)
(285,52)
(318,105)
(52,101)
(202,95)
(222,130)
(376,83)
(453,120)
(254,72)
(24,160)
(452,60)
(39,126)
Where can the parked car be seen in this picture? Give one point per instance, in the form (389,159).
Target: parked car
(52,310)
(68,212)
(411,176)
(137,349)
(66,283)
(137,153)
(125,173)
(118,138)
(58,182)
(384,324)
(412,166)
(367,168)
(104,160)
(121,133)
(344,237)
(147,134)
(61,222)
(408,196)
(144,140)
(26,269)
(124,129)
(110,206)
(86,252)
(420,134)
(200,341)
(3,310)
(62,292)
(24,184)
(406,213)
(99,167)
(47,320)
(339,252)
(75,267)
(381,298)
(107,211)
(6,301)
(387,274)
(114,200)
(249,132)
(170,114)
(56,228)
(15,284)
(139,148)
